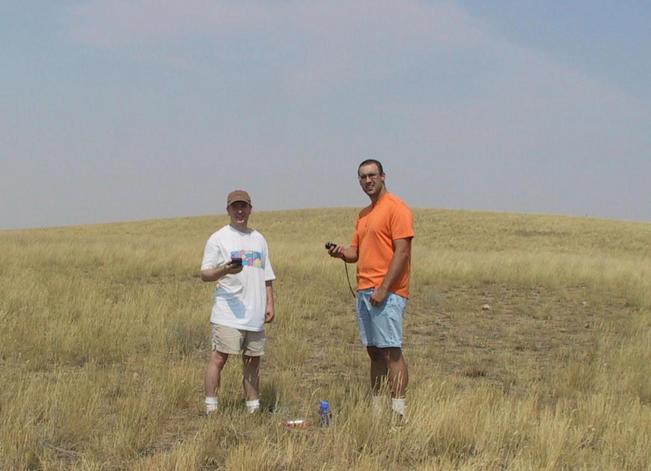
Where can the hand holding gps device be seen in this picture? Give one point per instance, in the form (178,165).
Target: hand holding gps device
(236,261)
(331,245)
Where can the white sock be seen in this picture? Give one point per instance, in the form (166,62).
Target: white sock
(211,404)
(398,405)
(253,406)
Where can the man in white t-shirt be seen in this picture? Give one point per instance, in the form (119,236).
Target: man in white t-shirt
(237,258)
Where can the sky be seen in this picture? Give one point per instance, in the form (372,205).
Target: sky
(126,110)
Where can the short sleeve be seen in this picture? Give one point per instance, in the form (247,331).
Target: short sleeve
(212,256)
(355,239)
(268,270)
(402,223)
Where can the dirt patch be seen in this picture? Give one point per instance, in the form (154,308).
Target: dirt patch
(505,334)
(525,335)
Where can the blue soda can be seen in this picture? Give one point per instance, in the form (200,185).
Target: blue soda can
(325,415)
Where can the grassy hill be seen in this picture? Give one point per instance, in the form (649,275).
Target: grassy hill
(528,339)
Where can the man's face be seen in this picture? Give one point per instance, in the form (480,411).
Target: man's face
(370,179)
(239,213)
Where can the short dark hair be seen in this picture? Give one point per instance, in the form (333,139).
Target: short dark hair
(372,161)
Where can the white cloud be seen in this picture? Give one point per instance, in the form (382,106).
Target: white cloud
(318,44)
(120,22)
(322,39)
(123,23)
(317,47)
(444,83)
(495,90)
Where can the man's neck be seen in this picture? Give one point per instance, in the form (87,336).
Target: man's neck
(376,198)
(240,227)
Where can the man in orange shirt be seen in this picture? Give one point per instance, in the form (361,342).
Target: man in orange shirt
(381,246)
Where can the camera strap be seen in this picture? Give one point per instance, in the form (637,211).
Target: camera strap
(348,280)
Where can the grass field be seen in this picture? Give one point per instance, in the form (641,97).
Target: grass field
(105,336)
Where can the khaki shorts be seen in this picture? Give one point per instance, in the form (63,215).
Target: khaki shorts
(235,341)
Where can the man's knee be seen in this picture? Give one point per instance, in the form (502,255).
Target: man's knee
(218,359)
(249,361)
(393,354)
(388,355)
(375,353)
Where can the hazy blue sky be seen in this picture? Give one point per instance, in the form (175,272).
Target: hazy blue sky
(135,109)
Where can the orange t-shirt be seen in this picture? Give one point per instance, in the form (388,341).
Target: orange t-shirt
(376,229)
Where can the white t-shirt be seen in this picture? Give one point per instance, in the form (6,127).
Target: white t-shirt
(240,299)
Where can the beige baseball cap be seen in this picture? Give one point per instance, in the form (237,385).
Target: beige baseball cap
(237,195)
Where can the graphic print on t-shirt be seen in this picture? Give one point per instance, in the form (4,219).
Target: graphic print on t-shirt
(249,258)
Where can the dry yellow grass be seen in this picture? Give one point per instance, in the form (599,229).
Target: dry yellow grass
(105,328)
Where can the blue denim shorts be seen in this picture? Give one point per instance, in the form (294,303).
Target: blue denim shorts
(380,326)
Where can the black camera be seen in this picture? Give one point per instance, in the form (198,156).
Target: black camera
(329,245)
(236,261)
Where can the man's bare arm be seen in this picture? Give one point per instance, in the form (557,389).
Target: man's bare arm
(398,265)
(213,274)
(347,254)
(270,312)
